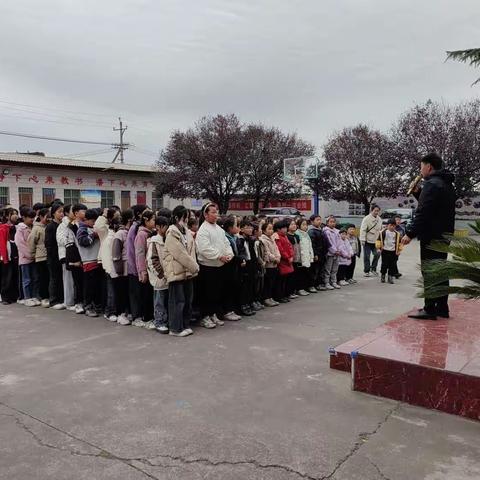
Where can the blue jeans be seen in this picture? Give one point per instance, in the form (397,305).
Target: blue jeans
(160,306)
(27,280)
(368,250)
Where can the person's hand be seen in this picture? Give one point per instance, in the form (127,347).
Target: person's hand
(224,259)
(243,264)
(142,277)
(406,240)
(315,258)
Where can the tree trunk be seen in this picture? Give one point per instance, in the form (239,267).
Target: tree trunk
(366,205)
(256,204)
(223,204)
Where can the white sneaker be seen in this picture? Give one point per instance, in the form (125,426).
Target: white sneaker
(138,322)
(303,293)
(149,325)
(367,274)
(216,320)
(123,320)
(45,303)
(329,287)
(232,317)
(374,273)
(21,302)
(343,283)
(79,309)
(293,296)
(183,333)
(37,301)
(71,308)
(163,329)
(59,306)
(207,323)
(111,318)
(336,285)
(189,330)
(30,302)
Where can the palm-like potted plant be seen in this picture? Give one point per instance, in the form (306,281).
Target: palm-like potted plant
(470,56)
(464,265)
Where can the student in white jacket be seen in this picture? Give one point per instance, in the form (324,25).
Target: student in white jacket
(62,235)
(213,252)
(369,232)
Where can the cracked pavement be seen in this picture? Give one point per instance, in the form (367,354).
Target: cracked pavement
(81,398)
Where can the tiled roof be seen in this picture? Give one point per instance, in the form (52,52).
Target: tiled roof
(73,162)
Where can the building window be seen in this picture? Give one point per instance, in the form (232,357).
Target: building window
(25,196)
(4,196)
(125,196)
(71,197)
(157,201)
(48,195)
(141,198)
(108,198)
(356,209)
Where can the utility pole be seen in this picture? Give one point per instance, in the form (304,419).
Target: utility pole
(120,146)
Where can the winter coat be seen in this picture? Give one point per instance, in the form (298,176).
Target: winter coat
(51,241)
(334,239)
(212,244)
(140,245)
(381,241)
(295,241)
(36,242)
(346,252)
(370,228)
(259,248)
(285,248)
(4,239)
(101,229)
(306,249)
(272,254)
(119,252)
(72,254)
(435,214)
(62,231)
(320,243)
(131,261)
(107,255)
(356,245)
(88,244)
(179,261)
(21,240)
(155,259)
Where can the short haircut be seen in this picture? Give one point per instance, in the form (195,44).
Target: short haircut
(43,212)
(433,159)
(164,212)
(78,206)
(29,213)
(55,207)
(281,224)
(391,221)
(161,221)
(246,223)
(265,225)
(313,217)
(350,225)
(343,230)
(374,206)
(67,208)
(91,214)
(229,223)
(38,206)
(192,221)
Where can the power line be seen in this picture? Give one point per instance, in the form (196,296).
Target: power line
(56,139)
(47,120)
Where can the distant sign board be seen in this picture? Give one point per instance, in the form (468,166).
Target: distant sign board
(91,197)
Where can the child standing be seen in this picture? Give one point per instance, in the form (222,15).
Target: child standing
(156,274)
(36,242)
(320,248)
(55,286)
(259,249)
(67,278)
(247,268)
(88,247)
(357,251)
(344,259)
(306,258)
(293,284)
(389,244)
(285,267)
(331,264)
(271,260)
(9,256)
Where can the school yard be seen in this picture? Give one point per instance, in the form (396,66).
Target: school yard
(82,398)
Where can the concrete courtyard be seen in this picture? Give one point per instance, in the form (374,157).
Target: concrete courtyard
(82,398)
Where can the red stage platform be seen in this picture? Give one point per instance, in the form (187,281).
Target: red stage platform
(433,364)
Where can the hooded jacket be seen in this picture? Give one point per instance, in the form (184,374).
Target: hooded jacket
(140,244)
(101,229)
(179,260)
(306,249)
(4,239)
(61,235)
(334,239)
(21,240)
(88,244)
(435,214)
(155,259)
(319,241)
(36,242)
(346,252)
(119,252)
(285,248)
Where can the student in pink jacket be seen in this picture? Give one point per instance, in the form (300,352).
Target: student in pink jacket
(25,258)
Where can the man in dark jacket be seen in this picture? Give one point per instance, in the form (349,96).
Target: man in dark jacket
(435,216)
(320,248)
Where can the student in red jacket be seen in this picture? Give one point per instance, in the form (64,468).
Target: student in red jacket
(285,266)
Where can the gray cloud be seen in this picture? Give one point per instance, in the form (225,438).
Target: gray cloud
(304,65)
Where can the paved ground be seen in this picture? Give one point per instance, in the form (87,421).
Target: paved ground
(81,398)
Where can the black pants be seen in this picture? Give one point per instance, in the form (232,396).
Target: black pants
(342,272)
(317,272)
(120,286)
(440,304)
(231,287)
(303,278)
(9,281)
(351,269)
(281,290)
(40,280)
(135,295)
(247,279)
(180,296)
(77,274)
(92,282)
(270,283)
(388,263)
(55,285)
(211,282)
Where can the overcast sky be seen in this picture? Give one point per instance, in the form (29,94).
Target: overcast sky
(70,68)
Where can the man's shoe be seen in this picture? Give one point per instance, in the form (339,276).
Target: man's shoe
(256,306)
(303,293)
(382,278)
(329,287)
(336,286)
(398,275)
(321,288)
(45,303)
(269,302)
(422,315)
(232,317)
(183,333)
(343,283)
(162,329)
(206,323)
(390,280)
(91,313)
(312,290)
(443,314)
(150,325)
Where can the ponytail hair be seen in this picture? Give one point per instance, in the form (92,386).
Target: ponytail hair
(179,213)
(146,216)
